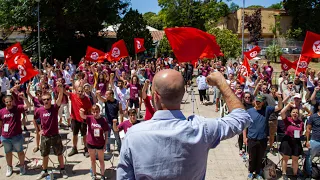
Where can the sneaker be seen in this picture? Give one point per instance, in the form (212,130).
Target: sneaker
(259,177)
(42,175)
(64,174)
(250,176)
(9,171)
(285,177)
(93,177)
(240,153)
(22,170)
(73,152)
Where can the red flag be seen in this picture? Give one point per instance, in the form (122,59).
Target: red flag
(252,53)
(13,62)
(190,43)
(286,65)
(303,64)
(26,70)
(212,50)
(11,52)
(118,51)
(94,55)
(139,45)
(245,70)
(311,45)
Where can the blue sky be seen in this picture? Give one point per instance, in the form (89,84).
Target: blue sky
(144,6)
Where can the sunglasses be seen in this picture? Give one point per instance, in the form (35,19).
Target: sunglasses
(247,97)
(46,99)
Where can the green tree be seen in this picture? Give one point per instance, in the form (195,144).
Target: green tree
(305,15)
(191,13)
(134,26)
(293,33)
(253,24)
(229,42)
(234,7)
(255,6)
(153,20)
(70,25)
(276,6)
(273,52)
(164,48)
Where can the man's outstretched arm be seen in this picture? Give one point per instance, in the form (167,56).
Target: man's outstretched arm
(235,122)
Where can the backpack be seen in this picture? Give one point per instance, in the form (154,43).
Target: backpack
(269,169)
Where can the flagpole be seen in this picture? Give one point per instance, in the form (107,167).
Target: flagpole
(297,67)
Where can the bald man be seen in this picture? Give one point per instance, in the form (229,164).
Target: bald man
(172,146)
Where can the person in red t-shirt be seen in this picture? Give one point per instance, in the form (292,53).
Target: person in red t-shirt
(78,101)
(97,138)
(147,101)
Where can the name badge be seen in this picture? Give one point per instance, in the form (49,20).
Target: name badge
(136,95)
(6,127)
(296,134)
(96,132)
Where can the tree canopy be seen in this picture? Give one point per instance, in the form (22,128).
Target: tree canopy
(191,13)
(134,26)
(276,6)
(229,42)
(305,15)
(253,24)
(154,20)
(71,24)
(255,6)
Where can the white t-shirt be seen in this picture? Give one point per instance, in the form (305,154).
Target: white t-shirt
(67,76)
(122,95)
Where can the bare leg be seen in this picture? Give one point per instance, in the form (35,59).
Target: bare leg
(45,162)
(21,157)
(101,160)
(295,164)
(84,138)
(75,141)
(284,164)
(217,104)
(92,154)
(9,159)
(61,162)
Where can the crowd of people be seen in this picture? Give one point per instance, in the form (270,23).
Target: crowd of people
(94,99)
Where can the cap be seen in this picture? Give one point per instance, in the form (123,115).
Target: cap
(297,95)
(260,98)
(86,84)
(290,82)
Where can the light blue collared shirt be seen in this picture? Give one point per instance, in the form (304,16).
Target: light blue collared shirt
(171,146)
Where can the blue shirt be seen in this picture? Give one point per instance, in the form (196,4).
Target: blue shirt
(258,127)
(171,146)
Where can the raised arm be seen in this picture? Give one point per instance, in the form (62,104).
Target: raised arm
(100,98)
(313,96)
(283,112)
(112,81)
(145,88)
(280,103)
(27,104)
(60,96)
(28,91)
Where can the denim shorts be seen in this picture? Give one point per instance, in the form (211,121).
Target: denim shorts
(13,144)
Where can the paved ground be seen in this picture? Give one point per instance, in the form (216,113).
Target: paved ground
(223,162)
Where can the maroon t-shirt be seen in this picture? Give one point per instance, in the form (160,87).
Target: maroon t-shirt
(11,121)
(292,125)
(134,91)
(96,129)
(49,119)
(125,125)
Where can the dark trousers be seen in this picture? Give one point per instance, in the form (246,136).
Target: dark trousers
(203,94)
(240,141)
(256,150)
(117,138)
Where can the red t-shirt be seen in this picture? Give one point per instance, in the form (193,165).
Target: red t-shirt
(77,103)
(96,129)
(11,121)
(48,119)
(149,108)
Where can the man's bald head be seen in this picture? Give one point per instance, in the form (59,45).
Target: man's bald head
(169,85)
